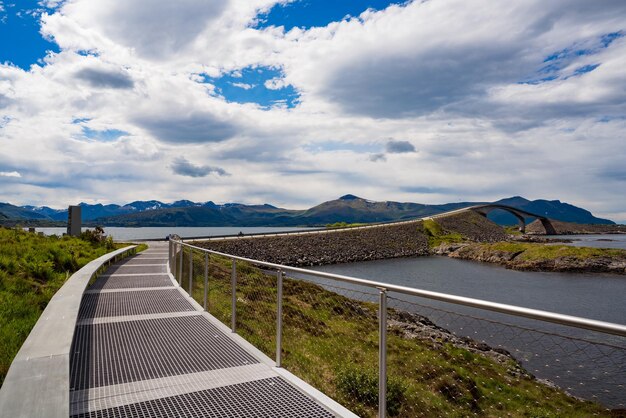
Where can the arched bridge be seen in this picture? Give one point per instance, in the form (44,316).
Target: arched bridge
(520,214)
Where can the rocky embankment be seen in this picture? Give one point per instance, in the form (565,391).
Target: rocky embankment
(416,327)
(539,257)
(337,246)
(466,235)
(473,227)
(568,228)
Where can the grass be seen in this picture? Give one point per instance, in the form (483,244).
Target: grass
(32,269)
(344,225)
(437,235)
(512,230)
(541,252)
(331,341)
(140,247)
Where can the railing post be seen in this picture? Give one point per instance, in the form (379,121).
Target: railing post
(279,318)
(206,280)
(180,267)
(173,260)
(190,270)
(233,307)
(169,254)
(382,354)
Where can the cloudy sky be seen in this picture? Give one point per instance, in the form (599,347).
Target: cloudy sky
(297,102)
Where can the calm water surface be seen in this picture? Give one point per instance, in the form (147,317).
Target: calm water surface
(591,295)
(595,367)
(596,240)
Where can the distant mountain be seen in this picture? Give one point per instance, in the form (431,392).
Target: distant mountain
(178,216)
(553,209)
(90,212)
(49,213)
(140,206)
(348,208)
(16,212)
(208,214)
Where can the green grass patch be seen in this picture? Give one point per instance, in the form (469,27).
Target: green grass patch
(540,252)
(344,225)
(437,235)
(512,230)
(140,247)
(32,269)
(331,342)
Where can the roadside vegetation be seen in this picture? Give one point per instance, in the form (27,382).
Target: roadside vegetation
(512,230)
(331,341)
(32,269)
(344,225)
(437,235)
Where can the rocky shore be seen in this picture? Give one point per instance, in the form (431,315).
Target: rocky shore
(413,326)
(525,258)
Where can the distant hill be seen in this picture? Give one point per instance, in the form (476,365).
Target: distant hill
(348,208)
(91,212)
(553,209)
(16,212)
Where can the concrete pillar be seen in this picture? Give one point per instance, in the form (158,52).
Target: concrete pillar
(74,221)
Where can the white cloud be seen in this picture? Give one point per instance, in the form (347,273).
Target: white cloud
(184,167)
(10,174)
(437,56)
(152,28)
(243,85)
(441,77)
(399,147)
(275,83)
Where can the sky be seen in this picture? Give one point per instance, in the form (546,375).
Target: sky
(295,102)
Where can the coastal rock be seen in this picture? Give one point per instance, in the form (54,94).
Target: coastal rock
(447,248)
(473,226)
(413,326)
(332,247)
(539,239)
(511,259)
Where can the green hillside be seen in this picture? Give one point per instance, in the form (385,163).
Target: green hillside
(32,269)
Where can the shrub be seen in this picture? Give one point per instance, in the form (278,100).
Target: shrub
(363,385)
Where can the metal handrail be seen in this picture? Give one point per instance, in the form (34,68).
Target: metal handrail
(561,319)
(383,290)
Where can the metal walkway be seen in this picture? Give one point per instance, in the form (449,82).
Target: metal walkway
(142,347)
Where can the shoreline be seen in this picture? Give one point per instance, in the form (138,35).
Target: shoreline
(528,256)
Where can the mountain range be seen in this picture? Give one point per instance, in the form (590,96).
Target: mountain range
(348,208)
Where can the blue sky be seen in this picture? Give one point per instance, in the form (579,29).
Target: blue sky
(296,102)
(315,13)
(553,65)
(255,85)
(21,42)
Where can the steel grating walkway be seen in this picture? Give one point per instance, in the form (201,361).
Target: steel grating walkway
(141,349)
